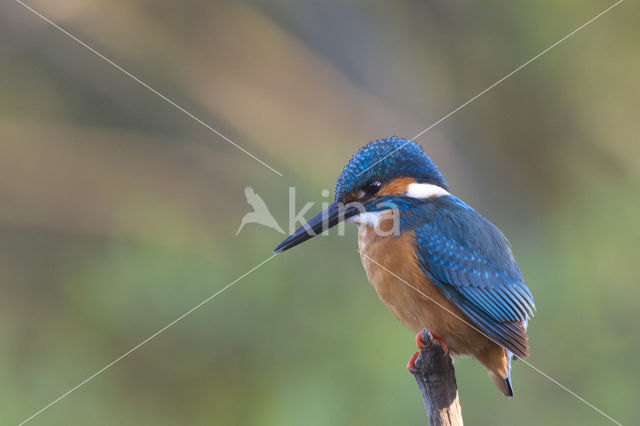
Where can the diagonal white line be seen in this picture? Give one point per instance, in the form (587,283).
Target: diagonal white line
(497,82)
(146,86)
(64,395)
(517,69)
(485,335)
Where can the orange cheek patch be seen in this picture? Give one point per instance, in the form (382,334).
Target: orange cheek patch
(396,186)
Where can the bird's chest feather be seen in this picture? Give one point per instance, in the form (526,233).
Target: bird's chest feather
(386,256)
(392,269)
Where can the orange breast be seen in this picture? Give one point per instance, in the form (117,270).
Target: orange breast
(392,269)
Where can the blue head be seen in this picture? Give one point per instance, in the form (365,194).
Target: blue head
(383,161)
(380,173)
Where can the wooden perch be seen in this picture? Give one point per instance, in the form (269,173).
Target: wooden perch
(437,382)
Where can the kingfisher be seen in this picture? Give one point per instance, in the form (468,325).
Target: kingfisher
(433,260)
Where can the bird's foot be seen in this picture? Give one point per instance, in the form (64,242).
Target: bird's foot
(437,338)
(441,342)
(411,365)
(425,340)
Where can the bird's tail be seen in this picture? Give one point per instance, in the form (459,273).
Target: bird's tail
(497,362)
(503,381)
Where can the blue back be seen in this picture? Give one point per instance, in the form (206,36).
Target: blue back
(470,261)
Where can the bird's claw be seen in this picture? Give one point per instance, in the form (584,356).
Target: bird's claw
(419,342)
(411,365)
(437,338)
(441,342)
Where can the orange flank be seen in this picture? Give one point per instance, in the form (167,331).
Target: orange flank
(417,303)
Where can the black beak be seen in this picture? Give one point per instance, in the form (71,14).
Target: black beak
(331,216)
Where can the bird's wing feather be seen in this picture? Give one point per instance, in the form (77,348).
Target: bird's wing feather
(471,262)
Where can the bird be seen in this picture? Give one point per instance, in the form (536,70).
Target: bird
(432,259)
(260,213)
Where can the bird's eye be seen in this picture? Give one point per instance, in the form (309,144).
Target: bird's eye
(372,187)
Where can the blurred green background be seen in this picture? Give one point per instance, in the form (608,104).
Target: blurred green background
(118,212)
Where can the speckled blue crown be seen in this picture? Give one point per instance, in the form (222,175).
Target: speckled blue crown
(385,160)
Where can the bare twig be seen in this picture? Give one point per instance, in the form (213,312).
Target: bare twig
(437,382)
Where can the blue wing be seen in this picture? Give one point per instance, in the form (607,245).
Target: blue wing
(470,261)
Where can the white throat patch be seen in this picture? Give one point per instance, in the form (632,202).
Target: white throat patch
(425,190)
(366,218)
